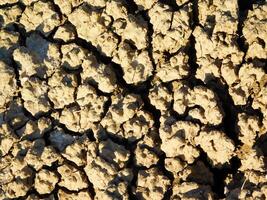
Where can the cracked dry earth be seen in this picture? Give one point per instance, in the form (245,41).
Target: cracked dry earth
(136,99)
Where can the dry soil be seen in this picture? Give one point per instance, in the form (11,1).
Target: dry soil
(133,99)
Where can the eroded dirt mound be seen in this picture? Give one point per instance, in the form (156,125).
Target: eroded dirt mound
(136,99)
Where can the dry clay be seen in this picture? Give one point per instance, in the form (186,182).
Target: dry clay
(114,99)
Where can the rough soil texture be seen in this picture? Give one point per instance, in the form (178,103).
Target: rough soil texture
(133,99)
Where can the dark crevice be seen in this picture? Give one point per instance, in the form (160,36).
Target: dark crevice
(228,106)
(131,164)
(106,107)
(191,51)
(192,61)
(194,16)
(79,82)
(219,174)
(132,185)
(171,3)
(131,6)
(229,127)
(226,103)
(130,88)
(16,70)
(151,109)
(66,130)
(150,32)
(7,5)
(169,175)
(244,6)
(58,10)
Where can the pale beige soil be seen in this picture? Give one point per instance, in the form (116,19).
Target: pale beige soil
(133,99)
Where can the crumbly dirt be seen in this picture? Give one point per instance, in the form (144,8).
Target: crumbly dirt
(133,99)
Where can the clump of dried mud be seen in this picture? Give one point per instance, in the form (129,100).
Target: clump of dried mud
(136,99)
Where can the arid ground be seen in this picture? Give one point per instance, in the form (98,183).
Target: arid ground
(133,99)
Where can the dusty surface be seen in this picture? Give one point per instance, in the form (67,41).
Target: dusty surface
(136,99)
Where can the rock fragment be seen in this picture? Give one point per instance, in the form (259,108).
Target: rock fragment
(97,3)
(7,139)
(8,86)
(191,190)
(224,19)
(35,154)
(249,78)
(216,44)
(93,28)
(114,192)
(16,189)
(81,118)
(35,129)
(35,95)
(174,165)
(40,16)
(62,88)
(135,31)
(137,66)
(21,180)
(160,96)
(175,68)
(219,153)
(122,109)
(99,172)
(138,126)
(115,99)
(9,41)
(144,156)
(71,178)
(98,73)
(66,32)
(113,153)
(9,16)
(248,128)
(171,29)
(76,152)
(147,152)
(45,181)
(73,196)
(178,140)
(209,110)
(103,172)
(47,53)
(151,184)
(73,56)
(39,58)
(66,7)
(255,32)
(251,159)
(8,2)
(131,28)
